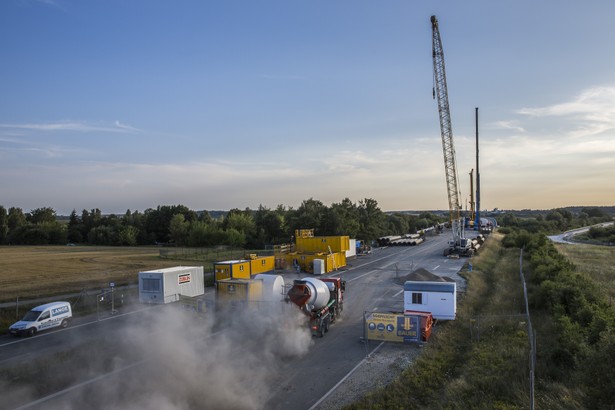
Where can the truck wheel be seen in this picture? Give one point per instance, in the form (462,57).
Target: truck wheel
(64,324)
(325,326)
(31,332)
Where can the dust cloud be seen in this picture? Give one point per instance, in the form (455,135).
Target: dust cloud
(177,360)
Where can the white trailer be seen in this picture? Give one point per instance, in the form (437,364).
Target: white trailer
(426,292)
(165,285)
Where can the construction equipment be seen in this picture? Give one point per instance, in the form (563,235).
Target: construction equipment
(322,300)
(459,244)
(472,215)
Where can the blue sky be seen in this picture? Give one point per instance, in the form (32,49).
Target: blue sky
(230,104)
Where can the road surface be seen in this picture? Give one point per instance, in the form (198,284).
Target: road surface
(568,236)
(161,358)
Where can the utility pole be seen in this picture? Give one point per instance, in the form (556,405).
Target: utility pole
(477,179)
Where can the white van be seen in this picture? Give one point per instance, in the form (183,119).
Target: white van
(43,317)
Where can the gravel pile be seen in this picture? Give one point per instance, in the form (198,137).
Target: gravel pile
(377,370)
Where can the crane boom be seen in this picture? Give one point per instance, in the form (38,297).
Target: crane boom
(459,243)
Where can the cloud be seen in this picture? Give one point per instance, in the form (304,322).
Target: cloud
(508,125)
(592,112)
(12,145)
(53,3)
(74,126)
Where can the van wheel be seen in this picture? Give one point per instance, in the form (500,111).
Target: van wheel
(31,332)
(64,324)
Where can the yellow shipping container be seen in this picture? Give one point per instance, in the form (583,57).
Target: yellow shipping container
(305,261)
(239,269)
(263,264)
(237,290)
(323,244)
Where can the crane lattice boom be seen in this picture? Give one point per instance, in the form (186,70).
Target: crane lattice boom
(450,167)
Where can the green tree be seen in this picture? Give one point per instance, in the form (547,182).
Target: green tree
(371,219)
(128,235)
(29,235)
(204,234)
(74,228)
(269,225)
(398,224)
(102,235)
(241,221)
(179,229)
(16,218)
(344,218)
(232,237)
(158,221)
(41,215)
(89,221)
(4,225)
(310,215)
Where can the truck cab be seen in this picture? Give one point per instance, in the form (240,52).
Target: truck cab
(50,315)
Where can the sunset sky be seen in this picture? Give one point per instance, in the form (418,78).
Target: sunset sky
(131,104)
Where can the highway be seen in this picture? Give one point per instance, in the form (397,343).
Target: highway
(162,357)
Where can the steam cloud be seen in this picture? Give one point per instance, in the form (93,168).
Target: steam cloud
(188,362)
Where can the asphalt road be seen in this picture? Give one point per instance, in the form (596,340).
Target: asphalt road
(568,236)
(154,359)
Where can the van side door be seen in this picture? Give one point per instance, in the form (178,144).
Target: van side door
(44,320)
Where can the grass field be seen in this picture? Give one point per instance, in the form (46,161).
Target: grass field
(596,261)
(34,271)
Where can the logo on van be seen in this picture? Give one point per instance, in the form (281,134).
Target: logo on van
(183,278)
(59,310)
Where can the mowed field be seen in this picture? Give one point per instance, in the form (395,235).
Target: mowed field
(35,271)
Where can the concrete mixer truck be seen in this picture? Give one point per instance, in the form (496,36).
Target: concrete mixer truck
(322,300)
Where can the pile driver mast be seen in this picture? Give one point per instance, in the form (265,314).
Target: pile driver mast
(472,214)
(459,244)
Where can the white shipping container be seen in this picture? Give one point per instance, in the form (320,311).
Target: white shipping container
(165,285)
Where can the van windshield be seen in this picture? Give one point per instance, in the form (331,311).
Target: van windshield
(31,316)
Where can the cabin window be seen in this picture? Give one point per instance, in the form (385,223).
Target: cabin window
(417,298)
(151,285)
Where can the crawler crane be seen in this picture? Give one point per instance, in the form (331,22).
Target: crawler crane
(458,244)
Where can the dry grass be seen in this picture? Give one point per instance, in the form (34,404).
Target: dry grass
(34,271)
(596,261)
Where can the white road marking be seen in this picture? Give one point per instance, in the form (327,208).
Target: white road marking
(77,386)
(365,274)
(345,377)
(78,326)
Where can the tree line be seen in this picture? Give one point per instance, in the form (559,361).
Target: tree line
(181,226)
(553,221)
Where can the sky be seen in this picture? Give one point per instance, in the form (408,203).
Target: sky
(132,104)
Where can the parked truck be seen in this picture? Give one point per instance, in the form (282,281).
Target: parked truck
(322,300)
